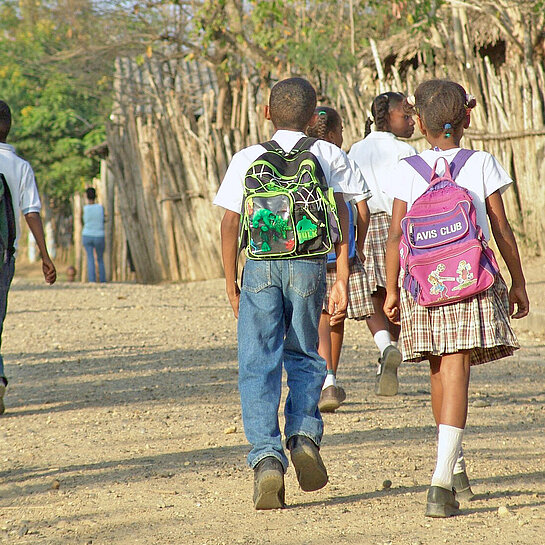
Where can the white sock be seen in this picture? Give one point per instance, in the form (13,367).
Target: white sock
(449,442)
(383,339)
(460,465)
(330,380)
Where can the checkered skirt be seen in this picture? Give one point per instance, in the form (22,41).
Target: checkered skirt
(360,305)
(375,250)
(480,324)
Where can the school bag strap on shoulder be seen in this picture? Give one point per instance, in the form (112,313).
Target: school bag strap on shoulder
(7,222)
(288,208)
(443,254)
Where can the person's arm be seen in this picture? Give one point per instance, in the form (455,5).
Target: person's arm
(391,303)
(507,245)
(34,222)
(338,300)
(229,254)
(362,225)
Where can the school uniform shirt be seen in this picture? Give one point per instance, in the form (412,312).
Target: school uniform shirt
(376,155)
(333,160)
(22,184)
(482,175)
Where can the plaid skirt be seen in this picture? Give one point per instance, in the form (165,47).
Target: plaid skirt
(375,250)
(479,324)
(360,305)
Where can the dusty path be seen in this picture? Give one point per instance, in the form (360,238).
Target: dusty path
(118,410)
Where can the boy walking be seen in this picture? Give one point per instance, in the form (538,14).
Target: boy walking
(279,303)
(20,188)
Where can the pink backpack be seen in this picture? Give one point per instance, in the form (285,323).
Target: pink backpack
(442,250)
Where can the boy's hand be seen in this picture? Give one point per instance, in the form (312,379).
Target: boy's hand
(519,297)
(234,298)
(338,301)
(391,307)
(50,273)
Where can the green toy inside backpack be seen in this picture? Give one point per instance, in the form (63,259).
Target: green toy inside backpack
(289,210)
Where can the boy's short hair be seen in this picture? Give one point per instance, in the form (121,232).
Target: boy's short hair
(91,193)
(5,120)
(292,103)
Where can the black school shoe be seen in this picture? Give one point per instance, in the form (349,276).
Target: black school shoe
(441,503)
(462,488)
(269,492)
(308,464)
(386,382)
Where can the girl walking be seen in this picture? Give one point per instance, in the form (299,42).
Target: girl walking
(376,155)
(329,127)
(476,330)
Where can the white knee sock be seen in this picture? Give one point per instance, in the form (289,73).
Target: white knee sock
(460,465)
(383,339)
(449,443)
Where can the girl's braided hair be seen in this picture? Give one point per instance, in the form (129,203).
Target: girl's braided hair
(380,109)
(442,105)
(328,120)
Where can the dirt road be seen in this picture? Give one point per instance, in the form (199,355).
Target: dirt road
(123,427)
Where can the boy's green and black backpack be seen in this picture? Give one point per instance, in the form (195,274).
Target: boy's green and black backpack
(7,221)
(288,211)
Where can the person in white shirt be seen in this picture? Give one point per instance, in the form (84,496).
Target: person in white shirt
(93,236)
(476,330)
(278,307)
(329,127)
(376,155)
(24,199)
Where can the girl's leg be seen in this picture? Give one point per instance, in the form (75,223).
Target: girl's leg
(449,383)
(328,398)
(89,250)
(390,357)
(337,336)
(99,248)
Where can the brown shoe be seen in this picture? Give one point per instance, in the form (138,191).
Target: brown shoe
(329,400)
(462,488)
(269,484)
(441,503)
(341,394)
(2,392)
(309,466)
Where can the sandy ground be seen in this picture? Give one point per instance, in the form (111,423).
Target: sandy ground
(123,427)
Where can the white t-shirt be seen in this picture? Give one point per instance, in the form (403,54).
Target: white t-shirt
(21,182)
(482,175)
(333,160)
(377,155)
(93,220)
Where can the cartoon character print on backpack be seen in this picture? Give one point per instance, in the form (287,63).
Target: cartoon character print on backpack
(289,211)
(443,253)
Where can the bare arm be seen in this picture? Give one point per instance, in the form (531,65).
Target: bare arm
(338,300)
(391,303)
(229,254)
(34,222)
(362,223)
(507,245)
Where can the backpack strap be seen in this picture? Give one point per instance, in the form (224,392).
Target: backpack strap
(459,161)
(271,145)
(420,166)
(304,144)
(426,171)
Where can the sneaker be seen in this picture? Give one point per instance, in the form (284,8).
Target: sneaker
(386,381)
(441,503)
(341,394)
(462,488)
(2,392)
(329,400)
(269,490)
(308,464)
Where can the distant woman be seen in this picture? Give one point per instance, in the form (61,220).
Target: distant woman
(93,236)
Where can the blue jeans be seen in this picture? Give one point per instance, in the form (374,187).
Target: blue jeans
(92,245)
(6,276)
(280,305)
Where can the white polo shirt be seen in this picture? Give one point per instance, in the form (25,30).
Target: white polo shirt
(482,175)
(21,182)
(376,155)
(333,160)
